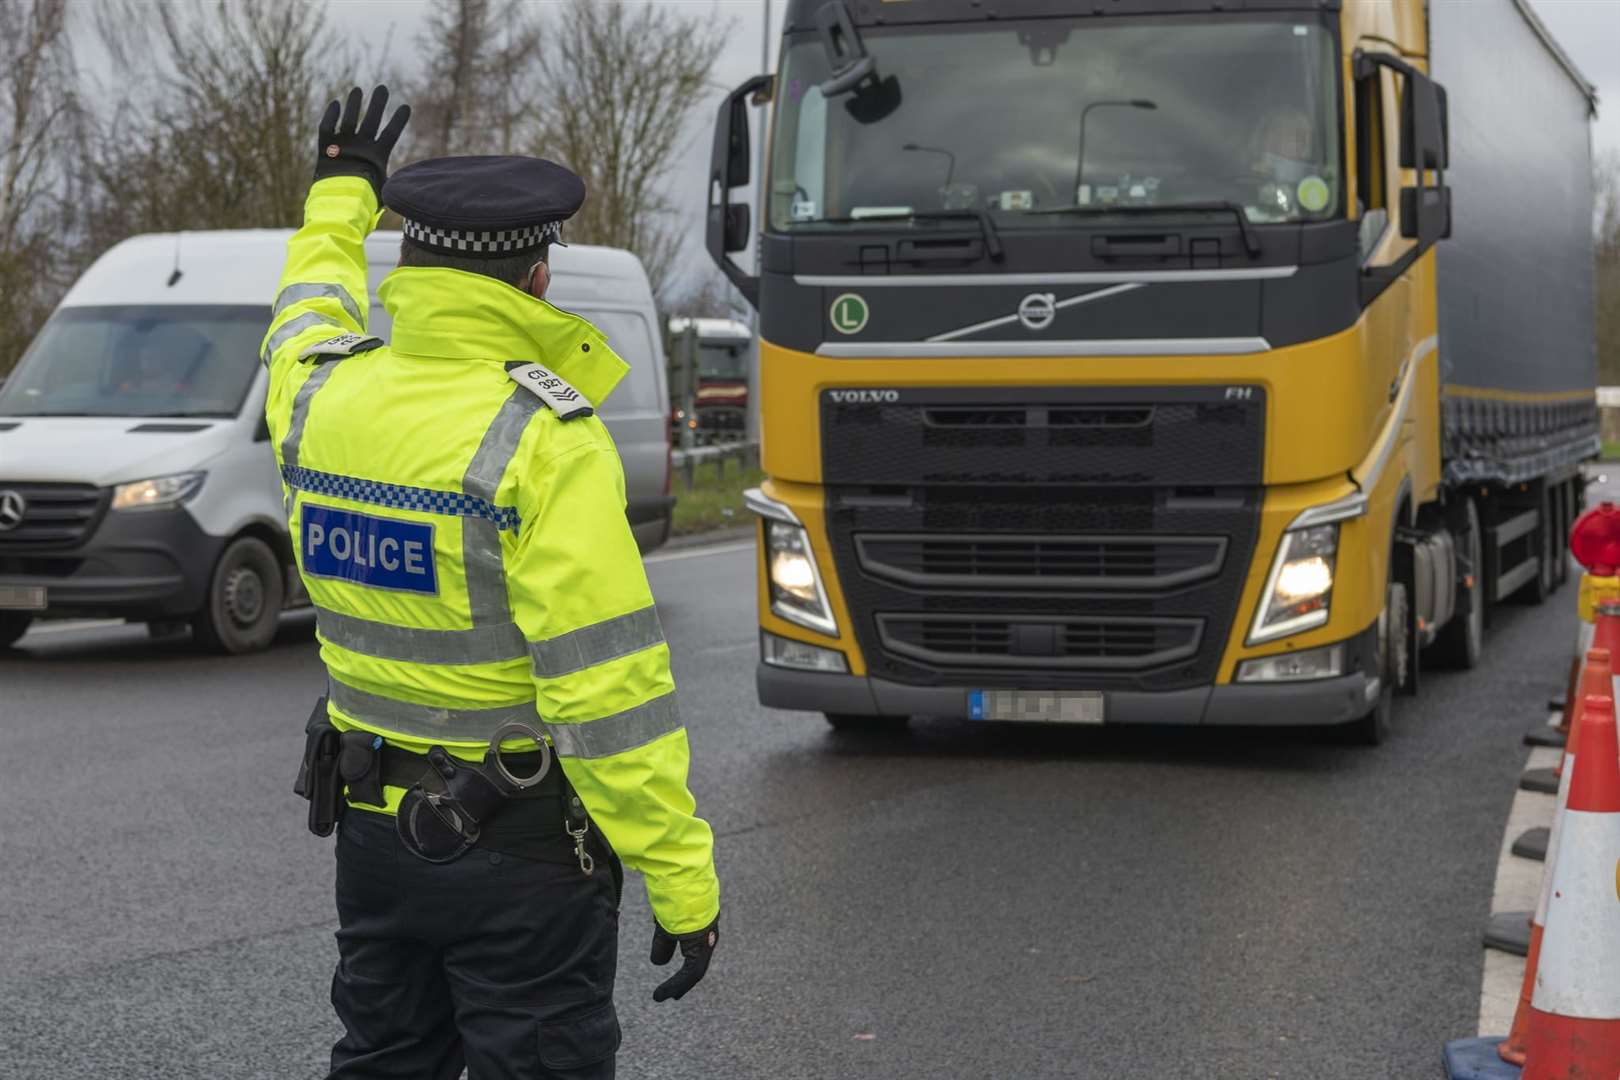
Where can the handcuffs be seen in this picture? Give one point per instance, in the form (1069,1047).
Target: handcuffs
(441,826)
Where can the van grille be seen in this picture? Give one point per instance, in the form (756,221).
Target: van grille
(56,515)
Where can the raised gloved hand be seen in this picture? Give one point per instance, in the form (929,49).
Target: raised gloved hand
(696,949)
(351,146)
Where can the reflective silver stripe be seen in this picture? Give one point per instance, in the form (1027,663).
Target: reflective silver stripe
(291,329)
(1114,347)
(480,539)
(480,645)
(596,644)
(310,290)
(427,721)
(617,733)
(300,412)
(1088,277)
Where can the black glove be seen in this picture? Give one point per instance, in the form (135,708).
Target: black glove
(354,147)
(696,949)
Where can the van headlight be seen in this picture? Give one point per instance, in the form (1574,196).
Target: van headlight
(1299,589)
(795,582)
(158,493)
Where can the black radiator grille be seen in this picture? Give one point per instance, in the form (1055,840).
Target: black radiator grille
(55,515)
(1032,642)
(1035,561)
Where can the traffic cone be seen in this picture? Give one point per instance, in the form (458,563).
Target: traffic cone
(1574,1029)
(1596,681)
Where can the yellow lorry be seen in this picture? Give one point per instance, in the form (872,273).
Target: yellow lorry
(1158,361)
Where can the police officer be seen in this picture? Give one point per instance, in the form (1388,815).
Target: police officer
(500,724)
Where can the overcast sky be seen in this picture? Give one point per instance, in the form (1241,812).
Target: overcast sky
(1588,30)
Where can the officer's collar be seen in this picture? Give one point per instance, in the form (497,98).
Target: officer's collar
(458,315)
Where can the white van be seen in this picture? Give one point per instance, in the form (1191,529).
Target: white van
(137,479)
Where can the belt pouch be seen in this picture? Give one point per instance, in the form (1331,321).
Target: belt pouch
(317,723)
(360,765)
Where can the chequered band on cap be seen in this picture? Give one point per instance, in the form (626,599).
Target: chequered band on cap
(495,242)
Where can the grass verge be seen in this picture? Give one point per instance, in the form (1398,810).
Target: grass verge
(1611,451)
(715,500)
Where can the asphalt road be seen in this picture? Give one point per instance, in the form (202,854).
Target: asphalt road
(965,901)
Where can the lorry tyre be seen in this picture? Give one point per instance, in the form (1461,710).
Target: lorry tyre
(244,599)
(1460,641)
(858,723)
(1394,626)
(13,625)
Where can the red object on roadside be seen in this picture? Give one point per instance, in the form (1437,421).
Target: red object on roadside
(1574,1028)
(1595,540)
(1596,682)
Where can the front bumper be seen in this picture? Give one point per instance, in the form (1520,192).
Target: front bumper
(144,565)
(1318,702)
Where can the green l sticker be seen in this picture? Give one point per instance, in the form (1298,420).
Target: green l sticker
(849,314)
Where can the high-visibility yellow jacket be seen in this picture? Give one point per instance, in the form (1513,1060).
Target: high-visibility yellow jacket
(466,549)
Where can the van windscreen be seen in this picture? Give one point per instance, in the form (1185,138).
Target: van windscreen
(139,360)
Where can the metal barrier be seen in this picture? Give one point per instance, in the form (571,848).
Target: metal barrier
(745,454)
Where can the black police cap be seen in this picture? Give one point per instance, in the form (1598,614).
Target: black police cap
(483,205)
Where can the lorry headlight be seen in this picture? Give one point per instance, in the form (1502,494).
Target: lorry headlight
(1325,662)
(1300,588)
(785,652)
(158,493)
(795,583)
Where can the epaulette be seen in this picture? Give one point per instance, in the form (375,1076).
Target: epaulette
(342,345)
(551,388)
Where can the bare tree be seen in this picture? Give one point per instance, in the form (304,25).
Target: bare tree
(617,87)
(39,111)
(479,56)
(1606,222)
(219,131)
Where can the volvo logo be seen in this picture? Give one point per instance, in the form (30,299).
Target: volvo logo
(12,507)
(1037,310)
(872,397)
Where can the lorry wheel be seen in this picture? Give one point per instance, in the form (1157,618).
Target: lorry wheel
(1460,641)
(244,599)
(858,723)
(13,625)
(1394,654)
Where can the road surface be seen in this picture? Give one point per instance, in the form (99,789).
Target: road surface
(964,901)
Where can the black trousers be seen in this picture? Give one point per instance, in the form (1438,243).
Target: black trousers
(499,964)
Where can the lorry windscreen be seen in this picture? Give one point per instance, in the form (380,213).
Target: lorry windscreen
(1015,117)
(139,360)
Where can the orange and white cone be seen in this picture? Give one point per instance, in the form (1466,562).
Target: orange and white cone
(1575,1011)
(1596,679)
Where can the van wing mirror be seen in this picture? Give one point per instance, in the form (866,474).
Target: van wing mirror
(727,226)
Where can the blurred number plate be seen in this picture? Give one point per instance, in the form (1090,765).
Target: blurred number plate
(22,597)
(1037,706)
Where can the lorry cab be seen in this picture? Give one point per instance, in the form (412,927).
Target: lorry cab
(725,358)
(137,479)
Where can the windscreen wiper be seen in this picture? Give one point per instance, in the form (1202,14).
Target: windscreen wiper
(1251,242)
(987,227)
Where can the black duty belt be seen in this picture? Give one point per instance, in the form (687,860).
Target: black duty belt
(450,804)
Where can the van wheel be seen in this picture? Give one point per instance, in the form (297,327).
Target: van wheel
(13,625)
(1461,640)
(244,599)
(856,723)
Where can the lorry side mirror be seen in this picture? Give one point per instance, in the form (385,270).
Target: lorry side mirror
(737,223)
(739,162)
(725,230)
(847,57)
(1425,207)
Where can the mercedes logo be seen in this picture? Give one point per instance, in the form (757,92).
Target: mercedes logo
(1037,310)
(12,507)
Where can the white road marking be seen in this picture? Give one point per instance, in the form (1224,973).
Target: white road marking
(696,553)
(1518,887)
